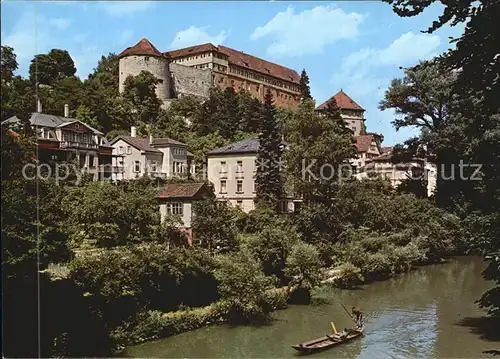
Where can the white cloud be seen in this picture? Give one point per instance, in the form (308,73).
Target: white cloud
(27,42)
(308,32)
(405,50)
(195,35)
(61,23)
(119,8)
(361,69)
(366,74)
(24,39)
(125,37)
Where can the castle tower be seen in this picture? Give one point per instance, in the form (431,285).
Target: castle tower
(143,56)
(351,112)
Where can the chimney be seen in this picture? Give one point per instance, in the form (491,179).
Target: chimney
(39,106)
(133,131)
(150,139)
(66,110)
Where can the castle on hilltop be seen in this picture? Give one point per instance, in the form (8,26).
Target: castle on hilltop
(194,70)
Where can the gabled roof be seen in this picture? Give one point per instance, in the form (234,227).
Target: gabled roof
(196,49)
(181,190)
(344,102)
(141,144)
(80,122)
(143,47)
(166,141)
(250,145)
(241,59)
(363,142)
(52,121)
(269,68)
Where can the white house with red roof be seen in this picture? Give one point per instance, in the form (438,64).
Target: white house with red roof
(176,199)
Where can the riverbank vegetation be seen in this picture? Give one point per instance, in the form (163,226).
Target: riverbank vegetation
(112,274)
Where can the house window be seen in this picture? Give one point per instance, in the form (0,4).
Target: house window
(146,58)
(154,166)
(129,150)
(120,150)
(223,188)
(239,186)
(174,208)
(137,166)
(239,166)
(91,161)
(223,167)
(239,204)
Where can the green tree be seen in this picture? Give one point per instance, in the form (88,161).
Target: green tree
(135,217)
(305,91)
(271,247)
(320,148)
(17,93)
(269,185)
(242,287)
(303,265)
(64,91)
(100,94)
(478,75)
(213,226)
(249,113)
(48,68)
(8,62)
(31,231)
(140,91)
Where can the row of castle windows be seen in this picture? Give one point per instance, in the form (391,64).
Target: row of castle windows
(267,79)
(276,93)
(203,55)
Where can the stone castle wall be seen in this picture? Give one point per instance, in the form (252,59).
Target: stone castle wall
(190,81)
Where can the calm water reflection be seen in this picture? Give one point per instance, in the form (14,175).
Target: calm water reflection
(412,316)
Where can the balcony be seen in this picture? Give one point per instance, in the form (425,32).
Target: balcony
(72,144)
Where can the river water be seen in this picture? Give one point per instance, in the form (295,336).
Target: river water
(420,314)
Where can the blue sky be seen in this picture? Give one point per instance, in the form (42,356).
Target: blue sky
(354,45)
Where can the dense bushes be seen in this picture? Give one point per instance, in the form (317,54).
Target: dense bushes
(242,287)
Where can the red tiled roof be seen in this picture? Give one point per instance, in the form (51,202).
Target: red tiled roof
(344,102)
(363,142)
(385,149)
(180,190)
(197,49)
(241,59)
(244,60)
(143,47)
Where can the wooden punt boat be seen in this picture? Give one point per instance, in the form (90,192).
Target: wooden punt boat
(327,341)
